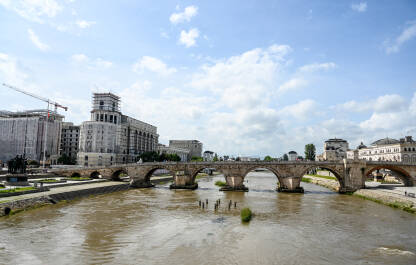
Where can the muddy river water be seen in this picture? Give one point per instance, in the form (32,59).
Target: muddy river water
(162,226)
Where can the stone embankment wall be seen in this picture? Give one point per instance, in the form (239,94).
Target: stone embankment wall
(327,183)
(383,197)
(19,205)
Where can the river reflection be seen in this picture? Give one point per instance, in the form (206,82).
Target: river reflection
(162,226)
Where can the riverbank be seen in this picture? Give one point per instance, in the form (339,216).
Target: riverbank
(377,195)
(15,204)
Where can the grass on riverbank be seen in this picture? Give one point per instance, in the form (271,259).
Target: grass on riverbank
(17,190)
(398,205)
(220,183)
(245,215)
(324,177)
(49,180)
(307,180)
(201,175)
(78,178)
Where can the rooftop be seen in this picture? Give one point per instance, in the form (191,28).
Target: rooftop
(386,141)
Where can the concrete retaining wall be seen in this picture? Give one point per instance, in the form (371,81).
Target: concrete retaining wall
(54,198)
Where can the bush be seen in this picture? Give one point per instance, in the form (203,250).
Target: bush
(220,183)
(245,215)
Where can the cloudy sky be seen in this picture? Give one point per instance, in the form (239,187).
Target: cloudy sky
(243,77)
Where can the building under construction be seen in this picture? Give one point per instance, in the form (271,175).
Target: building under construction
(22,133)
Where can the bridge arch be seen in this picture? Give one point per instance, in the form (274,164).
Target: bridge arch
(275,171)
(76,175)
(338,175)
(95,175)
(402,174)
(199,170)
(116,176)
(150,172)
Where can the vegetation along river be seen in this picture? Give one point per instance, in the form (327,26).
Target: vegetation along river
(162,226)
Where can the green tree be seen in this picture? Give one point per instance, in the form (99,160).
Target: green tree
(268,158)
(310,152)
(150,156)
(215,158)
(238,158)
(197,159)
(66,160)
(173,157)
(285,157)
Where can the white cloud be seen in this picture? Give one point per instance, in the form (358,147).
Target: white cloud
(360,7)
(35,40)
(84,24)
(292,84)
(407,34)
(189,38)
(9,70)
(154,65)
(83,60)
(243,81)
(317,67)
(382,104)
(186,15)
(302,110)
(33,10)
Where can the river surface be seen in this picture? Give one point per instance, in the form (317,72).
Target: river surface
(162,226)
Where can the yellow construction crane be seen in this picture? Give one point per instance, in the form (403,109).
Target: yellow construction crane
(50,102)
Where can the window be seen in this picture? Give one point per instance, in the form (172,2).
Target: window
(105,117)
(86,158)
(115,119)
(101,117)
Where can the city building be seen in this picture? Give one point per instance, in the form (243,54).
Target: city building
(208,156)
(249,159)
(292,155)
(334,149)
(387,149)
(194,147)
(111,137)
(181,152)
(69,139)
(23,133)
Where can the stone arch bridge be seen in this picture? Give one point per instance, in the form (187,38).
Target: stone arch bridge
(351,174)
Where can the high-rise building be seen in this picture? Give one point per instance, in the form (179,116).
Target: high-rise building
(69,139)
(22,133)
(194,147)
(111,137)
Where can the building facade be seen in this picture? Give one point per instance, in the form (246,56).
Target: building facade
(387,149)
(194,147)
(111,137)
(292,155)
(181,152)
(23,133)
(208,156)
(69,139)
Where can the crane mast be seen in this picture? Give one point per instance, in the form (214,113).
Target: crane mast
(49,102)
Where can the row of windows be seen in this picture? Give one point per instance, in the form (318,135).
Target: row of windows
(106,118)
(409,149)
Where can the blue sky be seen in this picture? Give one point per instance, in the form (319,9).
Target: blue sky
(243,77)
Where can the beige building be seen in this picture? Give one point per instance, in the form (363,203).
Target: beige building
(111,137)
(181,152)
(194,147)
(334,149)
(387,149)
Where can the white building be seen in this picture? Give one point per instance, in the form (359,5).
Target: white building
(292,155)
(194,147)
(181,152)
(22,133)
(387,149)
(208,156)
(111,137)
